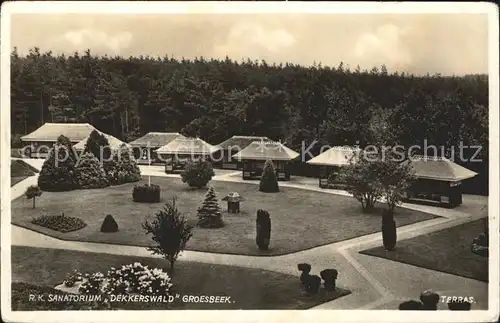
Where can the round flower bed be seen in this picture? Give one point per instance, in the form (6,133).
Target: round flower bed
(59,223)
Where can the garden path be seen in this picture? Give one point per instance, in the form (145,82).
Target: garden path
(374,282)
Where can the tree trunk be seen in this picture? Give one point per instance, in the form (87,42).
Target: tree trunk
(171,271)
(34,202)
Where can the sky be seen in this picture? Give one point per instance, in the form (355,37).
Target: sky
(416,43)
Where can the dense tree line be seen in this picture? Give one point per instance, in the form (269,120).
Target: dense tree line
(215,99)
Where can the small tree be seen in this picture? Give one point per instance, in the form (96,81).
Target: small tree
(170,231)
(394,178)
(361,177)
(268,181)
(90,173)
(57,173)
(197,173)
(209,213)
(32,192)
(98,145)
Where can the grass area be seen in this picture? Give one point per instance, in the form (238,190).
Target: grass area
(20,170)
(17,179)
(248,288)
(446,250)
(301,219)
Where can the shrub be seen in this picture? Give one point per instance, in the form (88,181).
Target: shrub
(90,173)
(32,192)
(197,173)
(263,235)
(312,284)
(122,168)
(479,245)
(305,269)
(429,300)
(170,231)
(59,223)
(410,305)
(209,213)
(268,180)
(329,276)
(58,170)
(15,141)
(147,193)
(389,235)
(109,224)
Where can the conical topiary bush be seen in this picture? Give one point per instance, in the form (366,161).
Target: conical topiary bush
(89,172)
(268,180)
(209,213)
(109,224)
(57,173)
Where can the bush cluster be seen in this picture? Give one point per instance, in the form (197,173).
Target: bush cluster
(64,171)
(59,223)
(129,279)
(147,193)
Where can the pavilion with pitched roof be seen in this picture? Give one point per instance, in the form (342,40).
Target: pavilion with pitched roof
(43,138)
(438,179)
(145,146)
(176,153)
(330,163)
(255,155)
(233,145)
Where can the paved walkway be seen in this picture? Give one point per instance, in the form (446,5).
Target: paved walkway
(374,282)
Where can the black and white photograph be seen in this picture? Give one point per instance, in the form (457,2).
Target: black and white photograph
(331,158)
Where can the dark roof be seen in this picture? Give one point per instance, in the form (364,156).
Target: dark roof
(155,139)
(263,150)
(187,146)
(51,131)
(335,156)
(438,168)
(237,143)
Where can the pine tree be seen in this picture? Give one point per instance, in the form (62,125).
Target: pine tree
(123,167)
(98,145)
(268,180)
(209,213)
(90,173)
(57,173)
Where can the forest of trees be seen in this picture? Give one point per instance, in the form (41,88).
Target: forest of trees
(215,99)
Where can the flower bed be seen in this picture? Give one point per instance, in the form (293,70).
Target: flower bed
(59,223)
(133,279)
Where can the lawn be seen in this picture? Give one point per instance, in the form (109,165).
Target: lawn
(447,251)
(301,219)
(248,288)
(19,171)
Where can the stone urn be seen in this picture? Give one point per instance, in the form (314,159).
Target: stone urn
(233,200)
